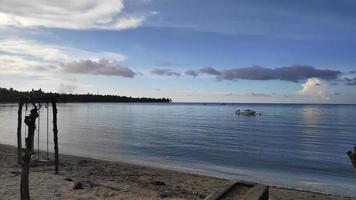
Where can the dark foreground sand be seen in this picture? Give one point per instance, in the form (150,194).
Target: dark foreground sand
(115,180)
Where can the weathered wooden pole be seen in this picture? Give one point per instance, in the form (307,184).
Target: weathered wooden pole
(352,156)
(30,121)
(55,134)
(19,127)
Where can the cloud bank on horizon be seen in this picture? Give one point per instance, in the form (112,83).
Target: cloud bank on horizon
(292,73)
(86,45)
(100,67)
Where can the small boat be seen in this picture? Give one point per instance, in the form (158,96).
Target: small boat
(245,112)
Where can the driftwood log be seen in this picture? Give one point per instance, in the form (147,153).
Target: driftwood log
(352,156)
(30,121)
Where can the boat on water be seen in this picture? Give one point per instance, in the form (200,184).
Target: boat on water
(245,112)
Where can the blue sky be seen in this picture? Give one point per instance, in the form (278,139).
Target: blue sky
(212,51)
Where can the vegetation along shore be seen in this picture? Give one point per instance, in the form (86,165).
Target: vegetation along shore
(13,96)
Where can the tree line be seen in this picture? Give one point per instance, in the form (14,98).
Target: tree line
(13,96)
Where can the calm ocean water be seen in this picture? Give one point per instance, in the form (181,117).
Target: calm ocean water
(299,146)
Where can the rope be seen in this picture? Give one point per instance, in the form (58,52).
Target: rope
(24,121)
(38,132)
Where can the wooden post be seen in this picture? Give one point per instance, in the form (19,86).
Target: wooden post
(55,134)
(30,121)
(19,127)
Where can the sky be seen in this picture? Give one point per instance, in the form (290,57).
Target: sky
(248,51)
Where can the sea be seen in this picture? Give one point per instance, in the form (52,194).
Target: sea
(290,145)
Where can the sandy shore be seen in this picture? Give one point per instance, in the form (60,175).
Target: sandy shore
(96,179)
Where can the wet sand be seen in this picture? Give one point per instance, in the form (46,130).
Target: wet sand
(86,178)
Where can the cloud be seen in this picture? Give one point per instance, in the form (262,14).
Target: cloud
(28,48)
(164,63)
(47,52)
(15,64)
(350,81)
(191,73)
(258,94)
(165,72)
(124,23)
(56,83)
(70,85)
(67,14)
(209,71)
(67,88)
(314,87)
(100,67)
(24,56)
(292,73)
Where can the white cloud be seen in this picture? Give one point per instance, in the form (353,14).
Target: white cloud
(315,88)
(66,88)
(27,57)
(47,52)
(70,85)
(18,64)
(23,47)
(68,14)
(66,84)
(24,56)
(126,22)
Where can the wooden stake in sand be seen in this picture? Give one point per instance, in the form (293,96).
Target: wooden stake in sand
(19,124)
(30,121)
(55,134)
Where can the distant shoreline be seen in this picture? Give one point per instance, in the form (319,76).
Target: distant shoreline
(13,96)
(201,103)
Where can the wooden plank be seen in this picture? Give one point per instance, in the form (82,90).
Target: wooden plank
(221,191)
(258,192)
(240,190)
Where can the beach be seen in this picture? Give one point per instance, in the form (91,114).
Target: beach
(86,178)
(177,100)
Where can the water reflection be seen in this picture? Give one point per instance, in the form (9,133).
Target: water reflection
(311,120)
